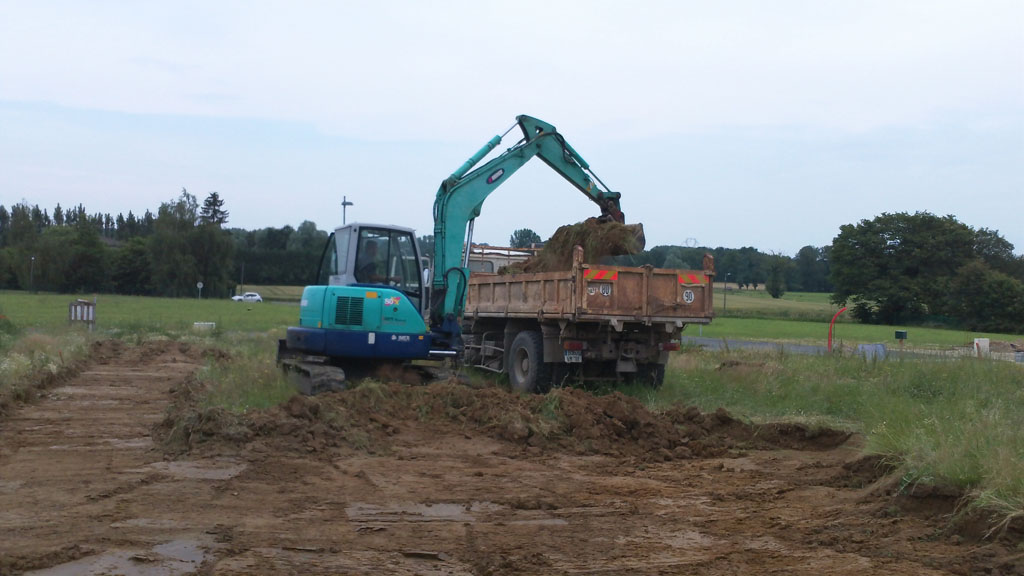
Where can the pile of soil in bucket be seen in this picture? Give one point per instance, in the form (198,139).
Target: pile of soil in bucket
(600,240)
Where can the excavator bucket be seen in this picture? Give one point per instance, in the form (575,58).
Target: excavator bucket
(639,240)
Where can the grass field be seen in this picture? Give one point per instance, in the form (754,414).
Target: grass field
(760,304)
(147,314)
(175,314)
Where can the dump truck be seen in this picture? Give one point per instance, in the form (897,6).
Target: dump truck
(591,323)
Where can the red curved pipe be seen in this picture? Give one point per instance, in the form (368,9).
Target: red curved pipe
(831,324)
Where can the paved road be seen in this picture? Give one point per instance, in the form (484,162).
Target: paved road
(868,350)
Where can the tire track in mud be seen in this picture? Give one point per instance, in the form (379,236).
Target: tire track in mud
(69,462)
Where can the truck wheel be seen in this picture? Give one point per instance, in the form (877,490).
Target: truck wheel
(527,371)
(651,375)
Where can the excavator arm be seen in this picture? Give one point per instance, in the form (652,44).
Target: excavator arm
(461,196)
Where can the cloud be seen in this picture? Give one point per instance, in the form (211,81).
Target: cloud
(413,70)
(736,123)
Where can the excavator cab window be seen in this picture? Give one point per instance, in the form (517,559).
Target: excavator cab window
(389,257)
(328,264)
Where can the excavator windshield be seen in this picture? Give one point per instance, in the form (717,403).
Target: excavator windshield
(388,257)
(373,255)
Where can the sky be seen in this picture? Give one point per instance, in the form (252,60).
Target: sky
(732,123)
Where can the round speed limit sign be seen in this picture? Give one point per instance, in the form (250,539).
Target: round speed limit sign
(688,296)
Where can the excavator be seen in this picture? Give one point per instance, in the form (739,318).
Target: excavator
(371,305)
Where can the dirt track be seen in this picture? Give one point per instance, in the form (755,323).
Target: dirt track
(439,489)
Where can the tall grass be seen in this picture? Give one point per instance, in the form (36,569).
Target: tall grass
(248,378)
(32,358)
(954,422)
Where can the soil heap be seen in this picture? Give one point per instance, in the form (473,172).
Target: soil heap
(599,240)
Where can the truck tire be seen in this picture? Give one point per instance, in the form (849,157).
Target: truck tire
(527,371)
(651,375)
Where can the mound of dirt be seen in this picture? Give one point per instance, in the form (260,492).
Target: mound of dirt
(1006,347)
(367,416)
(599,240)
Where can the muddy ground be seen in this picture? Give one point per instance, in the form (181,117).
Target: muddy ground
(116,470)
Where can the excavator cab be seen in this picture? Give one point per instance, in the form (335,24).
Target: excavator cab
(373,255)
(364,311)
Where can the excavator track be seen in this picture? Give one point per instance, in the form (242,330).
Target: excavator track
(312,378)
(313,375)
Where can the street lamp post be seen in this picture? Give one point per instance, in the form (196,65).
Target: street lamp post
(32,275)
(344,204)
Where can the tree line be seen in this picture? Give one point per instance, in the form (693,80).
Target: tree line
(896,268)
(747,268)
(163,254)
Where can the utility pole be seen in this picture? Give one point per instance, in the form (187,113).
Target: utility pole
(32,275)
(344,204)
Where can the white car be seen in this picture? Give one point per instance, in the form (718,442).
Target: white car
(247,297)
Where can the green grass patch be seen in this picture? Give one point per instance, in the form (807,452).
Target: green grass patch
(247,378)
(141,314)
(953,422)
(760,304)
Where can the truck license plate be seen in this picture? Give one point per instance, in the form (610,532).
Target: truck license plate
(574,356)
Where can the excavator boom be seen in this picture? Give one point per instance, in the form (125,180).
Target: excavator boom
(366,308)
(461,195)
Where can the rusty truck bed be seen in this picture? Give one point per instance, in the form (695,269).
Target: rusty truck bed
(595,293)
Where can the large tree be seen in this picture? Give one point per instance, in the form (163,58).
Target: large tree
(810,270)
(523,238)
(213,211)
(307,238)
(189,246)
(985,299)
(175,271)
(778,265)
(131,270)
(899,267)
(5,225)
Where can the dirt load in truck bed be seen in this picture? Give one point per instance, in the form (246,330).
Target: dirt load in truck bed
(122,470)
(598,239)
